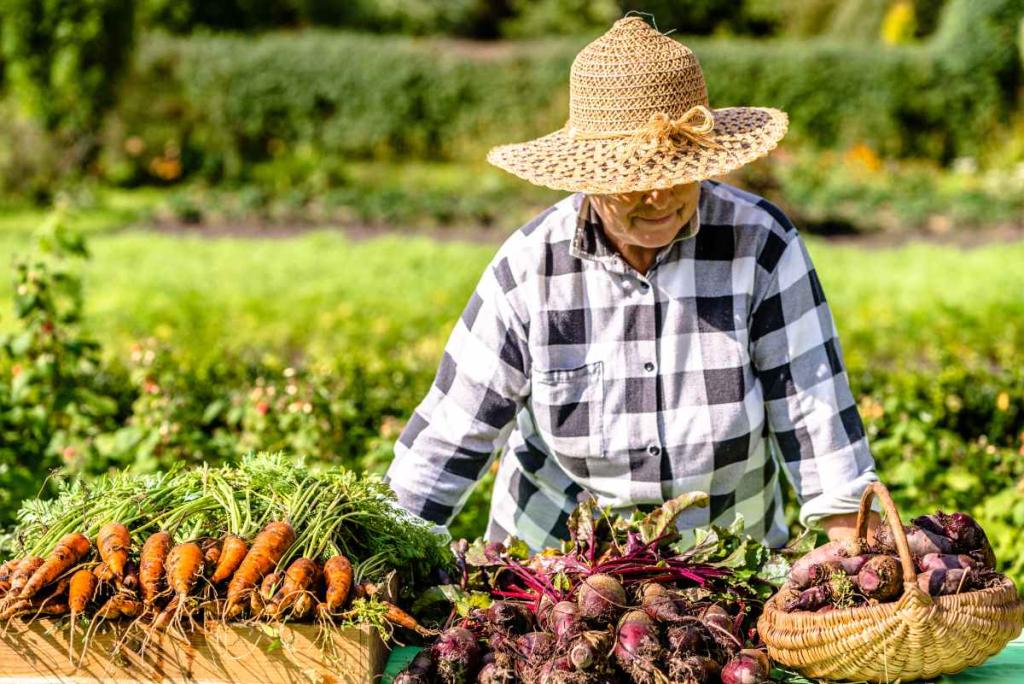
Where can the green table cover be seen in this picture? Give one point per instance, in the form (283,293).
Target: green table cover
(1005,668)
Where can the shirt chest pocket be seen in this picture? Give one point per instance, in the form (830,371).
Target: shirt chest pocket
(568,409)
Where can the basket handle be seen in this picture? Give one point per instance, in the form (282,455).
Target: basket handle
(895,524)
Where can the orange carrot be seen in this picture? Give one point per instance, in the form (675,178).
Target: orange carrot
(232,553)
(22,573)
(338,571)
(211,547)
(82,589)
(267,550)
(114,542)
(165,616)
(33,607)
(118,606)
(151,565)
(397,616)
(103,572)
(69,551)
(184,563)
(299,579)
(130,581)
(268,587)
(7,569)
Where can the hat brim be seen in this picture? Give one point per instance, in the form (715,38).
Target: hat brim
(596,166)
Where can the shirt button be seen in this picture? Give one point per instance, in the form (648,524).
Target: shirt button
(649,367)
(654,450)
(644,287)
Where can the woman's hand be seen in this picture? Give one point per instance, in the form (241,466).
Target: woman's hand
(844,526)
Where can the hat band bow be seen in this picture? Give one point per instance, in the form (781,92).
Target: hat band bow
(660,133)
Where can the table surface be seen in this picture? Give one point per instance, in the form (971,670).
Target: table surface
(1005,668)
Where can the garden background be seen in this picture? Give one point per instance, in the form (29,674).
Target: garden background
(251,224)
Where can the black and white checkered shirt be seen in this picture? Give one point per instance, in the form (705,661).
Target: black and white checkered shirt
(702,375)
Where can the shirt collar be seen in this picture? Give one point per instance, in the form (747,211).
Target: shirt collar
(591,244)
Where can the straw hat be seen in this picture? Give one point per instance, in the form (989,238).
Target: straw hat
(639,119)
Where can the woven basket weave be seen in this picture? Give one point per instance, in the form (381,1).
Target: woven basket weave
(917,637)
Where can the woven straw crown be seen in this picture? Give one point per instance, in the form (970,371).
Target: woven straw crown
(639,118)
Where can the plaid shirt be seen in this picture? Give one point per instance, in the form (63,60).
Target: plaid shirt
(703,374)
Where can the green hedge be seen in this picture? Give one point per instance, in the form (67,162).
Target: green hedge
(213,104)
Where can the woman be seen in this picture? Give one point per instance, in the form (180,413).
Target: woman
(653,333)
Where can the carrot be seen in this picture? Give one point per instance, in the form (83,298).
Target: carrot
(7,569)
(81,591)
(119,606)
(211,547)
(165,616)
(338,571)
(34,608)
(299,579)
(22,573)
(114,542)
(232,553)
(151,565)
(268,587)
(184,564)
(103,572)
(267,550)
(130,581)
(399,617)
(69,551)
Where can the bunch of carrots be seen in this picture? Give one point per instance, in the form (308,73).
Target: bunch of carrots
(225,578)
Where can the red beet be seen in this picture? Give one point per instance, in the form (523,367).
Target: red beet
(811,599)
(492,673)
(835,551)
(693,669)
(658,603)
(508,617)
(637,648)
(456,656)
(921,541)
(419,671)
(938,561)
(749,667)
(535,646)
(590,650)
(686,639)
(601,599)
(851,566)
(564,620)
(881,578)
(944,582)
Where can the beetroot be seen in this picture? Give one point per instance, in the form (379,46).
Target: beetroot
(749,667)
(693,669)
(564,620)
(851,566)
(419,671)
(944,582)
(686,639)
(508,617)
(835,551)
(637,648)
(658,603)
(535,646)
(492,673)
(590,651)
(921,541)
(456,656)
(881,578)
(811,599)
(938,561)
(601,599)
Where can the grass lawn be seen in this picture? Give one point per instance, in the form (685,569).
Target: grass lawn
(319,292)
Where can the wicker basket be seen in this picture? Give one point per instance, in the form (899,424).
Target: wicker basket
(916,637)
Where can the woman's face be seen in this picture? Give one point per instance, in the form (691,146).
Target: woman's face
(649,219)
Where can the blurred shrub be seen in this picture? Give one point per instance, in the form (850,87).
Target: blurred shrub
(213,106)
(62,61)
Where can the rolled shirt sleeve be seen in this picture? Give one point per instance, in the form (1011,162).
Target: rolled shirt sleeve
(468,413)
(813,420)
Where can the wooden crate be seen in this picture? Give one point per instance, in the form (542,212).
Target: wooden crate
(38,652)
